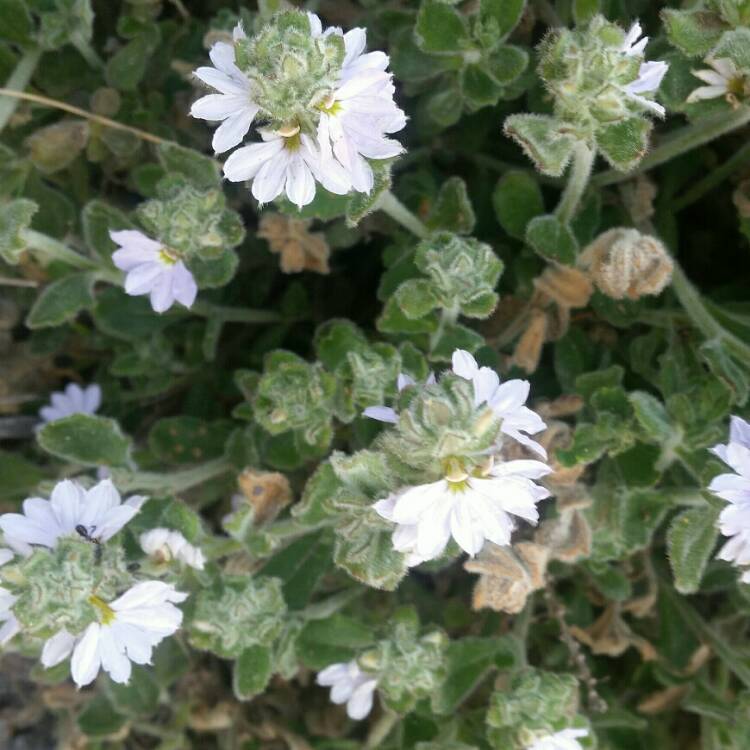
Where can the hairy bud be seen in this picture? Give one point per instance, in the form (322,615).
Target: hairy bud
(623,263)
(299,248)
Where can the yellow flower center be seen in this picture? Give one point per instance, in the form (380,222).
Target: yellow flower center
(106,613)
(167,256)
(330,106)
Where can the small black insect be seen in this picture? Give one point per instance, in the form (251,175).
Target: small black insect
(134,567)
(82,531)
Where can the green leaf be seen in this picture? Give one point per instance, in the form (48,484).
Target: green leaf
(362,204)
(691,539)
(585,10)
(16,24)
(652,416)
(440,29)
(99,718)
(18,477)
(507,13)
(625,143)
(416,298)
(452,210)
(126,68)
(468,662)
(252,672)
(337,638)
(695,32)
(300,566)
(124,317)
(62,300)
(201,170)
(543,140)
(140,697)
(507,63)
(86,439)
(98,220)
(552,239)
(517,200)
(184,440)
(15,216)
(735,45)
(214,272)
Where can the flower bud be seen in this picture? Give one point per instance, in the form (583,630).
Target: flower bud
(623,263)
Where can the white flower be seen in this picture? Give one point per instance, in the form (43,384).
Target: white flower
(724,80)
(153,269)
(649,79)
(286,161)
(567,739)
(359,112)
(166,545)
(633,45)
(233,105)
(72,400)
(507,400)
(127,631)
(470,510)
(9,626)
(98,510)
(387,413)
(734,520)
(350,685)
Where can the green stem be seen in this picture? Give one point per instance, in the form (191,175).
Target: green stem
(680,142)
(19,80)
(691,300)
(51,249)
(235,314)
(728,655)
(174,482)
(578,180)
(389,204)
(713,179)
(448,317)
(381,729)
(88,53)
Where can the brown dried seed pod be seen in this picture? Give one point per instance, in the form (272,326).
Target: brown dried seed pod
(623,263)
(567,286)
(529,347)
(267,493)
(299,249)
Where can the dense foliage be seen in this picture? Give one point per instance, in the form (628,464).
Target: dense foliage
(398,348)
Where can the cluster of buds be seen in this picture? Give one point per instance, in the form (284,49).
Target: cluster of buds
(598,75)
(324,105)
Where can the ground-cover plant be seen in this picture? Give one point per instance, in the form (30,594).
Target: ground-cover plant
(375,374)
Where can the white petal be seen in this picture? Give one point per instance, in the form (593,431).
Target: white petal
(464,365)
(271,177)
(300,184)
(183,285)
(381,414)
(84,666)
(417,501)
(57,648)
(245,162)
(234,128)
(114,661)
(360,704)
(67,502)
(142,279)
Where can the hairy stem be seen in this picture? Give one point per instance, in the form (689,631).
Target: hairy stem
(50,249)
(691,300)
(174,482)
(235,314)
(381,729)
(19,80)
(389,204)
(680,142)
(55,104)
(578,180)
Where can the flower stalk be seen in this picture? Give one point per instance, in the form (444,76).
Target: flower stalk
(18,80)
(580,173)
(392,206)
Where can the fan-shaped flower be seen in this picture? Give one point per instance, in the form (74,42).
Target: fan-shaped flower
(356,117)
(470,509)
(350,685)
(153,269)
(166,544)
(99,511)
(233,106)
(127,631)
(648,81)
(506,399)
(285,161)
(72,400)
(723,79)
